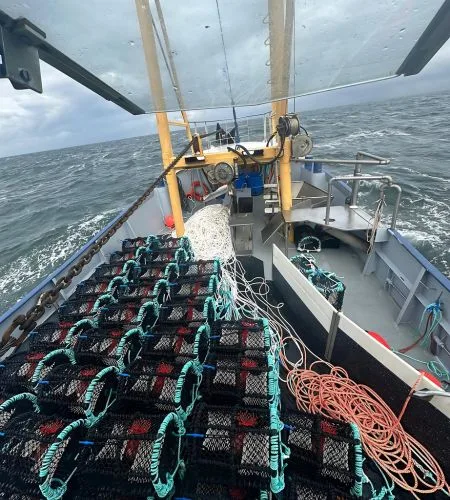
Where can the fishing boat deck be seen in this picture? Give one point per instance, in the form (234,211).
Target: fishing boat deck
(366,301)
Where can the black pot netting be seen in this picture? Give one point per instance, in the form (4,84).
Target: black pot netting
(194,286)
(177,341)
(237,336)
(240,378)
(16,372)
(188,311)
(161,385)
(200,267)
(106,346)
(204,490)
(298,487)
(35,449)
(49,336)
(236,446)
(122,453)
(75,391)
(321,449)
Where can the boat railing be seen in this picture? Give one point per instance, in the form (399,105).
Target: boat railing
(386,182)
(251,128)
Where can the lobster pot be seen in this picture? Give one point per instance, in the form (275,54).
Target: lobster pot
(116,268)
(202,490)
(156,269)
(160,384)
(298,487)
(190,287)
(49,336)
(159,241)
(200,268)
(326,283)
(92,288)
(238,336)
(181,343)
(119,315)
(100,346)
(27,457)
(242,379)
(237,446)
(11,491)
(75,391)
(16,372)
(188,312)
(78,308)
(16,405)
(129,455)
(322,449)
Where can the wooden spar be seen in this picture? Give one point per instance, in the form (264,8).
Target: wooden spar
(280,31)
(151,58)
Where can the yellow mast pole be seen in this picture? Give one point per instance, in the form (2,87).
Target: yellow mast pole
(278,50)
(148,41)
(173,70)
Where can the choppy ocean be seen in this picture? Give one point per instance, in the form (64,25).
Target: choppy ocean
(52,202)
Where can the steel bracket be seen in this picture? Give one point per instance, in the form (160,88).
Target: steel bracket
(19,56)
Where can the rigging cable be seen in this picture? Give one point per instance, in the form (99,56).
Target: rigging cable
(236,128)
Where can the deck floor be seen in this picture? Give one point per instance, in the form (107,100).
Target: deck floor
(366,302)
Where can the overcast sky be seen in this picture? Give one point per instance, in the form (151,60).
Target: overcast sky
(67,114)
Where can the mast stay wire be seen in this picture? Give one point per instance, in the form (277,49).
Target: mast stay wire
(227,71)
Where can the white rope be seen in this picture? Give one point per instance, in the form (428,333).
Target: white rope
(209,233)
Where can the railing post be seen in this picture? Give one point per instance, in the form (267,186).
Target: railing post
(355,187)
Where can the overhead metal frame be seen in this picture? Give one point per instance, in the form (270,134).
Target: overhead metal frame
(27,38)
(431,40)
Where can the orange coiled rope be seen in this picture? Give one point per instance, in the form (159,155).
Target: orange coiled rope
(400,456)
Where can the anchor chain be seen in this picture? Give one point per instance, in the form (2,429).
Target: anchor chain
(28,321)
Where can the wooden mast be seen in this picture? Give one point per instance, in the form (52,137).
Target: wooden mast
(151,58)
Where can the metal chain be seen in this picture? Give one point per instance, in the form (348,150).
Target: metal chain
(28,321)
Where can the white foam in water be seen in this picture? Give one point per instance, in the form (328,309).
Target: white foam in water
(20,275)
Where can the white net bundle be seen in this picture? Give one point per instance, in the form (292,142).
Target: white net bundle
(209,233)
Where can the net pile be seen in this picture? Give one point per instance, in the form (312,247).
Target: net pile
(325,282)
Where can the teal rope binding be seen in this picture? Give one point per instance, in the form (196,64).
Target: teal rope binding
(161,285)
(165,485)
(79,327)
(213,284)
(357,488)
(150,305)
(48,489)
(197,369)
(91,417)
(181,256)
(209,310)
(204,331)
(123,341)
(128,266)
(267,333)
(102,301)
(6,405)
(117,281)
(172,266)
(69,353)
(436,312)
(279,452)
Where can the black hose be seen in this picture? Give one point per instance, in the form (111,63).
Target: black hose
(258,162)
(270,138)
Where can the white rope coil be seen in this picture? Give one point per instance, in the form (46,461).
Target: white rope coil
(209,233)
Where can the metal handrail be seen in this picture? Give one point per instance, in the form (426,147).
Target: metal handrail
(384,178)
(397,201)
(360,155)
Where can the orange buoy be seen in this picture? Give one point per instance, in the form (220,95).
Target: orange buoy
(379,339)
(169,221)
